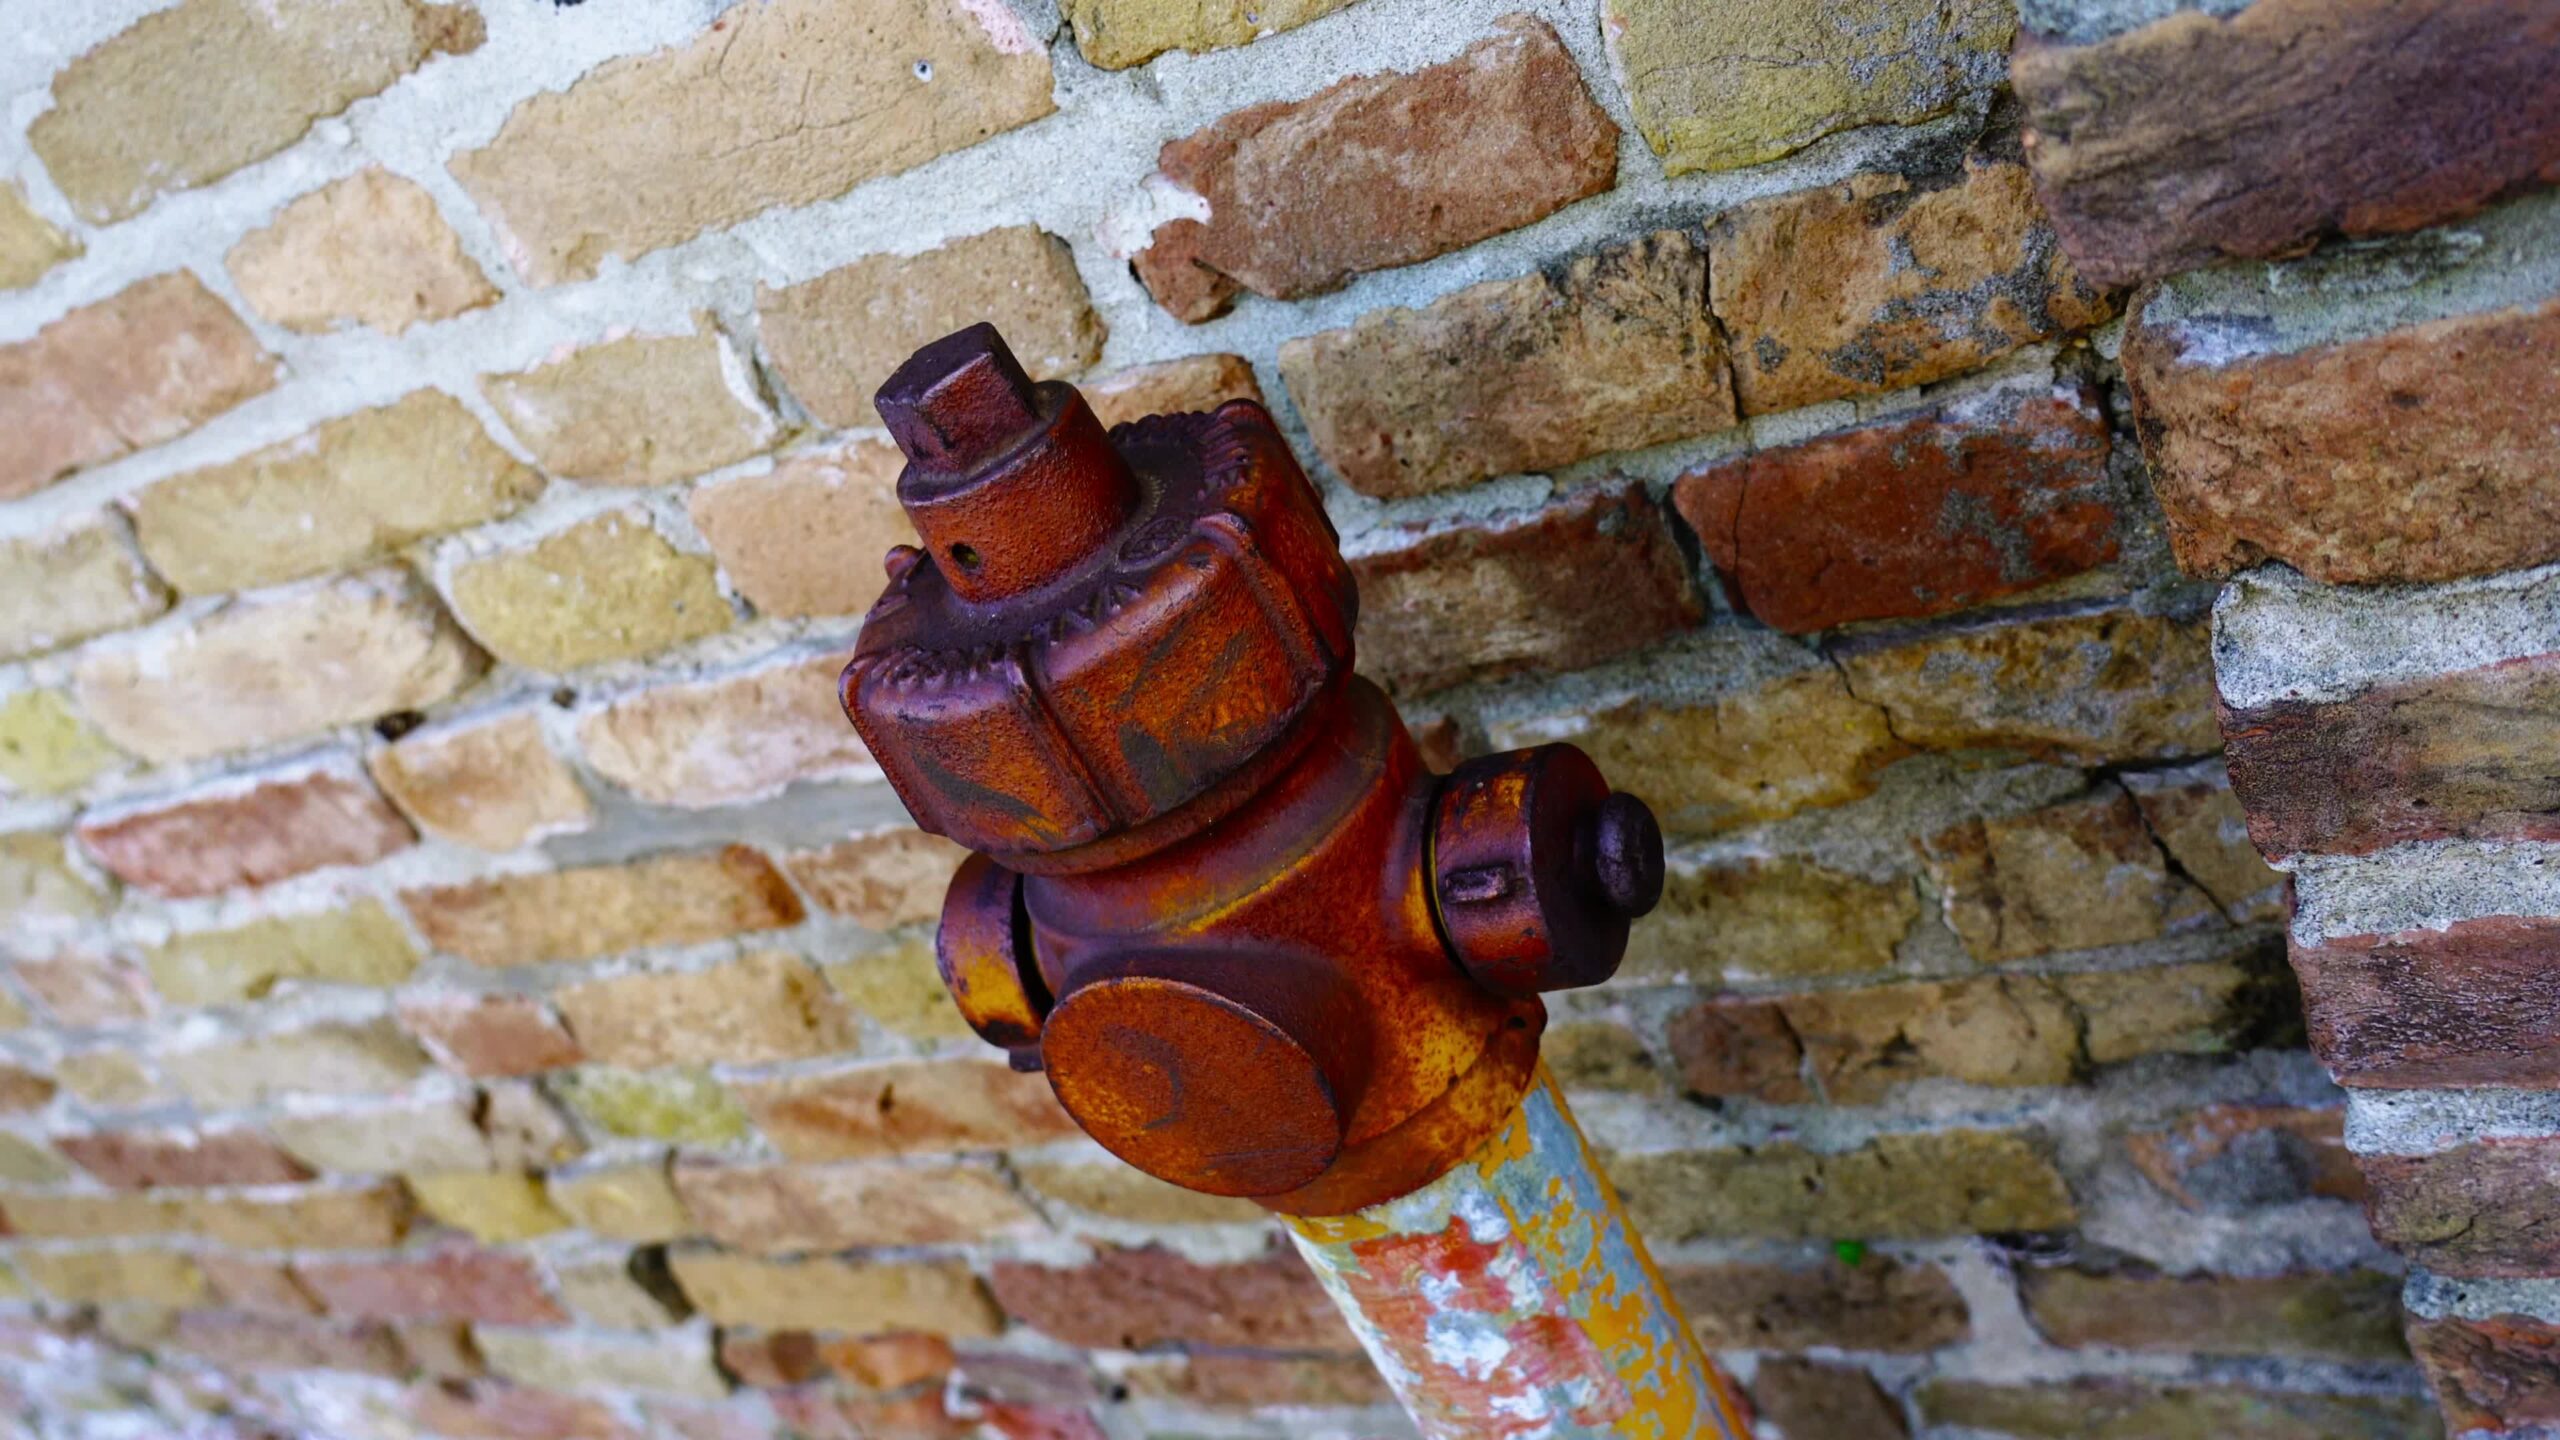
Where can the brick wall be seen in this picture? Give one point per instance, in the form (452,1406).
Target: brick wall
(464,978)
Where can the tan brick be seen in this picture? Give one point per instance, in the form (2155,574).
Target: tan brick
(2131,1409)
(111,1079)
(354,489)
(1721,88)
(899,988)
(493,1208)
(190,94)
(717,742)
(905,1107)
(632,1203)
(526,1130)
(492,785)
(611,1291)
(610,588)
(682,1107)
(1791,743)
(673,1364)
(805,537)
(1823,1397)
(1878,1304)
(939,1298)
(1116,34)
(30,1162)
(79,579)
(30,244)
(47,747)
(360,945)
(254,1342)
(93,1277)
(349,1059)
(649,151)
(364,1218)
(2197,820)
(638,411)
(371,249)
(437,1134)
(39,887)
(1118,1192)
(1883,281)
(2347,1317)
(1171,387)
(452,1283)
(72,1215)
(1991,1030)
(884,880)
(1613,351)
(2072,876)
(2206,1007)
(1376,171)
(573,914)
(278,666)
(1764,919)
(835,338)
(1950,1182)
(255,1286)
(234,835)
(1598,1055)
(83,987)
(484,1035)
(486,1409)
(147,364)
(763,1006)
(779,1209)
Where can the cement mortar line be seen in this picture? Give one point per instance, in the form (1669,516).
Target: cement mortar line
(2429,1122)
(2430,1296)
(2424,885)
(2278,636)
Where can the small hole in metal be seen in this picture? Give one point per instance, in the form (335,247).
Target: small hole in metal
(964,556)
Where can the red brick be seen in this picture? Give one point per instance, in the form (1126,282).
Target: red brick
(2465,755)
(1245,1380)
(482,1286)
(1378,171)
(2240,1157)
(2479,1209)
(768,1359)
(492,1410)
(1494,597)
(2204,135)
(718,742)
(238,1341)
(905,1107)
(1171,387)
(1133,1299)
(259,1287)
(1820,1400)
(152,1159)
(794,1357)
(2497,1376)
(601,909)
(1877,1304)
(276,829)
(490,1035)
(2475,1003)
(1739,1047)
(1918,515)
(147,364)
(82,987)
(22,1089)
(804,537)
(824,1415)
(893,878)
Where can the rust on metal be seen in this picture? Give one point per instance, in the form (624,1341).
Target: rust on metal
(1259,947)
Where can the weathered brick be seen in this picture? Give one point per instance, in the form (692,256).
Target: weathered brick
(1121,1192)
(123,1276)
(601,909)
(1734,86)
(371,250)
(47,747)
(836,337)
(780,1209)
(1598,1055)
(803,538)
(610,588)
(23,1089)
(2391,119)
(621,1292)
(763,1006)
(2477,1209)
(2494,1376)
(2082,684)
(933,1298)
(368,1217)
(1822,1400)
(1877,1304)
(1948,1182)
(26,1161)
(526,1129)
(485,1035)
(353,489)
(1294,198)
(1614,351)
(717,742)
(1245,1381)
(185,96)
(278,666)
(1136,1299)
(2353,1316)
(481,1409)
(1995,1030)
(1982,497)
(1494,597)
(1730,1047)
(905,1107)
(2154,1410)
(492,785)
(885,880)
(253,1342)
(353,1059)
(2242,1157)
(1171,387)
(2199,822)
(637,411)
(110,1079)
(2205,1007)
(248,1285)
(455,1283)
(685,1107)
(1116,34)
(670,1364)
(2464,755)
(632,1203)
(72,1215)
(430,1134)
(166,1159)
(493,1208)
(2473,1003)
(2072,876)
(30,244)
(899,988)
(649,151)
(236,835)
(78,579)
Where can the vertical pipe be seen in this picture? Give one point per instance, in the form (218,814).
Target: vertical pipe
(1510,1299)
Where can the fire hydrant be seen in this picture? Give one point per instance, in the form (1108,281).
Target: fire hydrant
(1258,946)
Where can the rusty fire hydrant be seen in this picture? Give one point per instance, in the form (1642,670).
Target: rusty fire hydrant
(1259,948)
